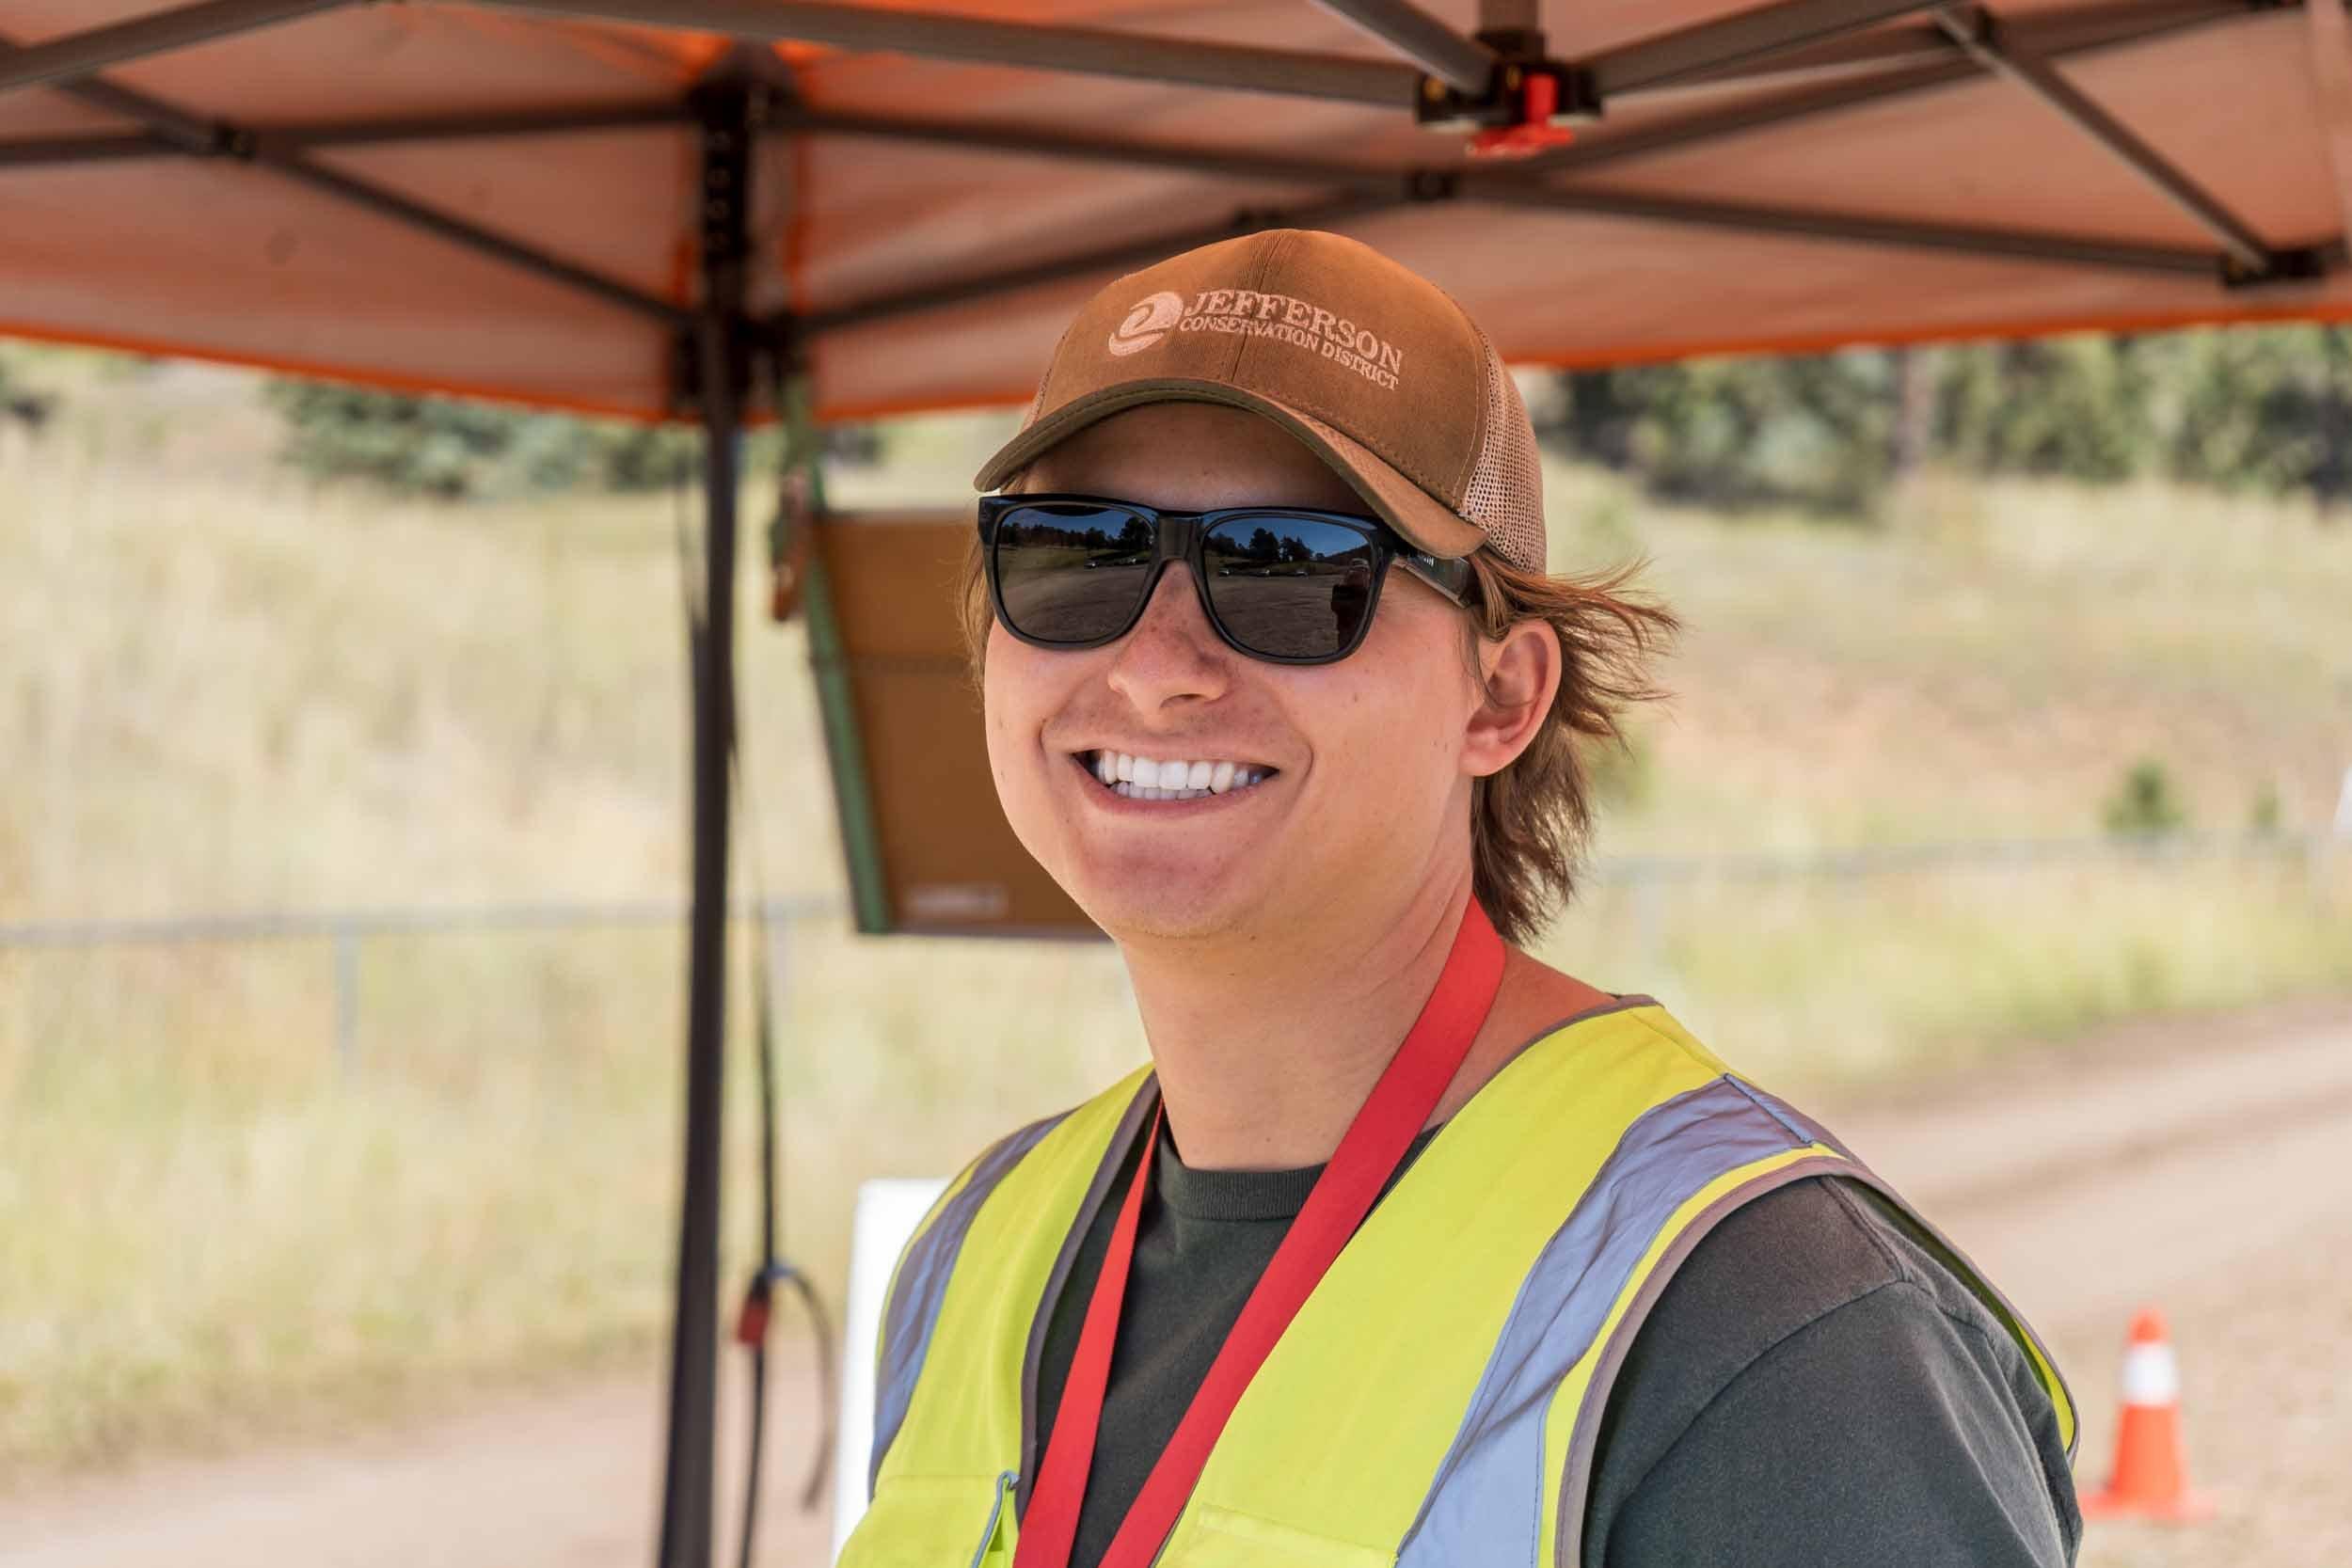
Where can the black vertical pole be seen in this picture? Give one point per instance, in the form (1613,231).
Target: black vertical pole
(722,357)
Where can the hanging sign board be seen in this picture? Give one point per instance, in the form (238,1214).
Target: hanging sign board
(929,847)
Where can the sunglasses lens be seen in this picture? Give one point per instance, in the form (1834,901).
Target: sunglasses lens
(1071,572)
(1290,587)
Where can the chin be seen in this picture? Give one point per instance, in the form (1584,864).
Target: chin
(1159,903)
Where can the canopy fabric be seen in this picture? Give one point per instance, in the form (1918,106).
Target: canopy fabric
(1888,186)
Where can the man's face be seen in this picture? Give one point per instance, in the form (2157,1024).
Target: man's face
(1365,794)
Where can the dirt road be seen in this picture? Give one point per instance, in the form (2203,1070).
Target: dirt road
(2205,1168)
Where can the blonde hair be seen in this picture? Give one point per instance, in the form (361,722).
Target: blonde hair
(1530,822)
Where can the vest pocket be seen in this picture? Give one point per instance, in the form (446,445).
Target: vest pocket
(1213,1537)
(935,1522)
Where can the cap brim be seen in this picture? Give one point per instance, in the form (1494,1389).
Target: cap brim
(1404,505)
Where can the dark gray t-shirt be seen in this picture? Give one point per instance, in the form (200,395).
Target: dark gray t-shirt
(1813,1387)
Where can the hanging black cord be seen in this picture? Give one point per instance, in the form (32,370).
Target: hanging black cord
(751,1322)
(752,1328)
(752,1319)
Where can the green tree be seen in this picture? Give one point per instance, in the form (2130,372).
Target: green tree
(2075,407)
(1815,432)
(18,402)
(2266,408)
(2146,804)
(454,449)
(2263,408)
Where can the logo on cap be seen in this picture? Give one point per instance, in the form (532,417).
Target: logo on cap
(1281,318)
(1147,323)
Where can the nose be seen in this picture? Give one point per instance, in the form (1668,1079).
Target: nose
(1172,655)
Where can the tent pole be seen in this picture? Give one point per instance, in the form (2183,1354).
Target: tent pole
(1507,189)
(1428,43)
(722,357)
(207,138)
(1726,45)
(931,296)
(1732,42)
(1852,228)
(983,40)
(80,55)
(1980,38)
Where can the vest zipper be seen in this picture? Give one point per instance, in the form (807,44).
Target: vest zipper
(1004,1481)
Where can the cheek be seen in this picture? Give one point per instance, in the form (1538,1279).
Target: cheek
(1396,723)
(1398,745)
(1021,687)
(1004,693)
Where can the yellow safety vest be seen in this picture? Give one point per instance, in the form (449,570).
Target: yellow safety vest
(1437,1399)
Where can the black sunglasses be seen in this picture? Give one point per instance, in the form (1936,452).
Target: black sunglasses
(1288,584)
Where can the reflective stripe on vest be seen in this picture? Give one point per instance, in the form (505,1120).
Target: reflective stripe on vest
(972,1280)
(1436,1400)
(920,1283)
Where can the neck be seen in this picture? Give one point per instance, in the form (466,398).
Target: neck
(1267,1049)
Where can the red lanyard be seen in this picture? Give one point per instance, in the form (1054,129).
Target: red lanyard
(1400,1103)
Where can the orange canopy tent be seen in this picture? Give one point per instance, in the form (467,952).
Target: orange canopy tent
(669,209)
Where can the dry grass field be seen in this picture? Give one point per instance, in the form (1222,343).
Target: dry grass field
(225,691)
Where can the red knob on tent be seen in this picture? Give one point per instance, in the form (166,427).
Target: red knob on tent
(1539,98)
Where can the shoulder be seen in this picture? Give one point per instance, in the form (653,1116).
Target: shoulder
(1815,1324)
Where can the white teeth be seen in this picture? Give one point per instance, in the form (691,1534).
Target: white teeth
(1149,779)
(1153,792)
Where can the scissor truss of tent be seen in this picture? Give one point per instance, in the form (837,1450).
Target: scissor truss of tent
(660,208)
(501,200)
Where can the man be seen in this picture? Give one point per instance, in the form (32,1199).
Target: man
(1406,1248)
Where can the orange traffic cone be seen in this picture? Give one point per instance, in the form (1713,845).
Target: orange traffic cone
(2149,1480)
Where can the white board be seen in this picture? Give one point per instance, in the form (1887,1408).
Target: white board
(887,1212)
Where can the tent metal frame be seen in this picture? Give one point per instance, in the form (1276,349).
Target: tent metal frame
(1979,36)
(1801,58)
(728,109)
(202,137)
(1718,54)
(1464,63)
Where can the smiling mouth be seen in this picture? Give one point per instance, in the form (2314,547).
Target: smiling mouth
(1135,778)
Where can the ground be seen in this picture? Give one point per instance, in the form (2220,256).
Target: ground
(2194,1165)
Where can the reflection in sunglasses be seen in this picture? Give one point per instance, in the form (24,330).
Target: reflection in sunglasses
(1272,585)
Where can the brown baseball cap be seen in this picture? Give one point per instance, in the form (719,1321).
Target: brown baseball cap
(1372,366)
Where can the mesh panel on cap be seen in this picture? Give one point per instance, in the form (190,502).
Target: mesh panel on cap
(1505,492)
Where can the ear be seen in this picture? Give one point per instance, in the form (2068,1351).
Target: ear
(1522,670)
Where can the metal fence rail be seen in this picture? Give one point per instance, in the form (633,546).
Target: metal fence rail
(1840,864)
(346,929)
(1647,876)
